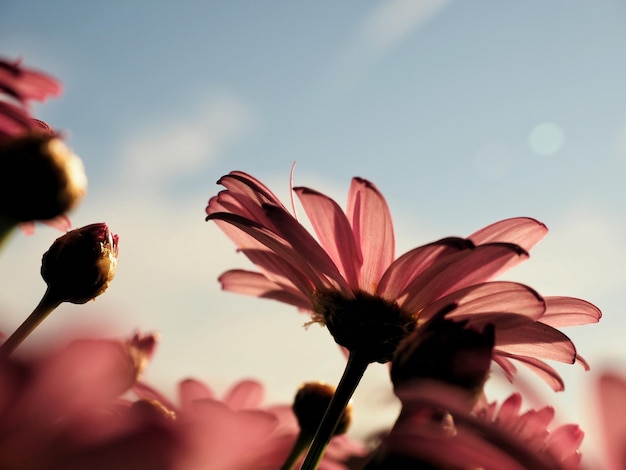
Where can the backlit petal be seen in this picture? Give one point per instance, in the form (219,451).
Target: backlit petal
(522,231)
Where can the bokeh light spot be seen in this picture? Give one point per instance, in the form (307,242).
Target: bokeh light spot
(546,138)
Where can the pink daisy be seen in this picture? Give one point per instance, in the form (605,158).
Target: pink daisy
(237,431)
(348,277)
(433,428)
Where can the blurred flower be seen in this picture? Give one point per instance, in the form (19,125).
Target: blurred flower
(43,179)
(436,431)
(237,432)
(610,404)
(80,264)
(351,282)
(63,410)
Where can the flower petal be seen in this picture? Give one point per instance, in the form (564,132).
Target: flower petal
(522,231)
(569,311)
(192,390)
(412,263)
(543,370)
(371,222)
(458,271)
(501,303)
(537,340)
(611,399)
(305,256)
(333,231)
(247,394)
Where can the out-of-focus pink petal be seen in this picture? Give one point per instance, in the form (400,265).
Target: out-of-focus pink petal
(257,285)
(569,311)
(26,84)
(522,231)
(564,442)
(411,264)
(371,222)
(333,231)
(458,271)
(192,390)
(543,370)
(14,120)
(143,390)
(247,394)
(537,340)
(611,399)
(490,301)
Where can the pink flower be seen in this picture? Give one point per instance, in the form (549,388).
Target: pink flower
(63,410)
(350,280)
(236,432)
(434,429)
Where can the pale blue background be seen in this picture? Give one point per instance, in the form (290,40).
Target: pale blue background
(437,102)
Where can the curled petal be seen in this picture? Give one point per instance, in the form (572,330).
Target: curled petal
(522,231)
(543,370)
(569,311)
(497,302)
(537,340)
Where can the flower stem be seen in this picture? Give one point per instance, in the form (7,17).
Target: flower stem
(349,381)
(46,305)
(6,228)
(299,446)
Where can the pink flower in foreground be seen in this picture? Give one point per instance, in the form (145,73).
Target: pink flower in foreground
(63,410)
(491,438)
(349,279)
(236,432)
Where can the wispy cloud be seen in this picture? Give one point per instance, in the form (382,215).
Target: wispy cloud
(168,149)
(386,27)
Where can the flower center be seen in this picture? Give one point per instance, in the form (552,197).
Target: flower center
(366,324)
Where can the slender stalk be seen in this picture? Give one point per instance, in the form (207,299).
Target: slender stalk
(299,447)
(349,381)
(46,305)
(6,228)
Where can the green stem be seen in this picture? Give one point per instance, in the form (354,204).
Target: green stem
(349,381)
(46,305)
(6,228)
(299,446)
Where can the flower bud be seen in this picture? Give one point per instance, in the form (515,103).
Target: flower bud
(41,177)
(311,403)
(80,264)
(445,351)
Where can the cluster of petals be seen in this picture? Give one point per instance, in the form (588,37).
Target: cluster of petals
(490,437)
(354,251)
(236,431)
(21,85)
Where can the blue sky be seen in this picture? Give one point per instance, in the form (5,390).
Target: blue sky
(462,113)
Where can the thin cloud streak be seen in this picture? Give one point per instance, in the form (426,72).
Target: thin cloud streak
(385,28)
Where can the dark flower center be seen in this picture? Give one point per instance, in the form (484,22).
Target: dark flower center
(366,324)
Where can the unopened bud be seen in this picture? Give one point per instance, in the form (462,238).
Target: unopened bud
(445,351)
(80,264)
(41,177)
(311,403)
